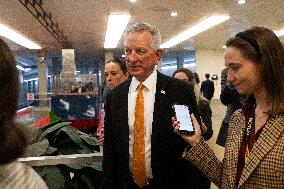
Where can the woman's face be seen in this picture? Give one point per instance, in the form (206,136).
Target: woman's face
(114,75)
(182,76)
(242,73)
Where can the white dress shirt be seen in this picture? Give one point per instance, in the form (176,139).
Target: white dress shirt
(149,92)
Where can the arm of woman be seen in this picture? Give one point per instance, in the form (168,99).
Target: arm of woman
(200,153)
(205,160)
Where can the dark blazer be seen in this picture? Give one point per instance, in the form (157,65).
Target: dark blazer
(169,169)
(207,89)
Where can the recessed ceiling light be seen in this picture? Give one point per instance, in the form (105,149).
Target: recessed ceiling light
(116,25)
(194,30)
(20,68)
(132,1)
(174,13)
(240,2)
(279,32)
(17,38)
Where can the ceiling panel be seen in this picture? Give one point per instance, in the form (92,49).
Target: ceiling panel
(84,22)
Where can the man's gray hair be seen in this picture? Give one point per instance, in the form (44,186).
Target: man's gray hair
(141,27)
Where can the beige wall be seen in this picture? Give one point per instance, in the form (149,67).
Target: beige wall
(212,62)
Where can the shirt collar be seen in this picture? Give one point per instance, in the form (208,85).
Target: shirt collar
(149,83)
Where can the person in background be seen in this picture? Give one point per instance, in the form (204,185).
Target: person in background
(140,148)
(81,88)
(90,86)
(207,88)
(204,108)
(233,100)
(197,80)
(115,74)
(255,144)
(13,138)
(73,88)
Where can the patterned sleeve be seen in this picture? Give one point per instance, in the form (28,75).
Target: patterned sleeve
(206,161)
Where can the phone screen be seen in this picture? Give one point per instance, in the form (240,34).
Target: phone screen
(183,116)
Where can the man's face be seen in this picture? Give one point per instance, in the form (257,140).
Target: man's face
(140,57)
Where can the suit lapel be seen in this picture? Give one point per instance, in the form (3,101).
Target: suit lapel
(268,138)
(161,93)
(235,143)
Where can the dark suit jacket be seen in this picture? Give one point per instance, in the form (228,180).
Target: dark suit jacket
(207,89)
(169,169)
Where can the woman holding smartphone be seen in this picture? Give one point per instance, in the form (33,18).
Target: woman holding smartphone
(254,148)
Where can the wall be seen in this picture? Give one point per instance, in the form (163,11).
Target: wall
(212,62)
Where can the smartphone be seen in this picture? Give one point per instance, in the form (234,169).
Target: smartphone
(185,122)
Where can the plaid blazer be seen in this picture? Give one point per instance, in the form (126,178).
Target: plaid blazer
(264,167)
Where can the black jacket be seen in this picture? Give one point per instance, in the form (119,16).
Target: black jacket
(169,169)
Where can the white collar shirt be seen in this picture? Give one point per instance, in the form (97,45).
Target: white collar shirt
(149,92)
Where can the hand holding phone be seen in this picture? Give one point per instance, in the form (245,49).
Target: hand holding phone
(185,122)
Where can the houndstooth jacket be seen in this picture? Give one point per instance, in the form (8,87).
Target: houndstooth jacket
(264,168)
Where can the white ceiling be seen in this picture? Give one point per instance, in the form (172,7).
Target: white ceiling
(84,21)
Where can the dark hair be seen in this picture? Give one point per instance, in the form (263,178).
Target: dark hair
(187,72)
(207,75)
(264,48)
(121,64)
(197,80)
(13,139)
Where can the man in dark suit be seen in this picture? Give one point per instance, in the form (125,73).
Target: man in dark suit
(207,87)
(163,165)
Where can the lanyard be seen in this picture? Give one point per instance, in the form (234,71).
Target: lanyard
(250,133)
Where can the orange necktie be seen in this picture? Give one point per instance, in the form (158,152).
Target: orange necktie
(139,169)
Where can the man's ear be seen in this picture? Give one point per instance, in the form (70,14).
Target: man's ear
(159,54)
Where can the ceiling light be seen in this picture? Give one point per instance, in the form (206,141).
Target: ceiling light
(17,38)
(240,2)
(279,32)
(123,55)
(168,67)
(132,1)
(196,29)
(20,68)
(174,13)
(115,28)
(224,46)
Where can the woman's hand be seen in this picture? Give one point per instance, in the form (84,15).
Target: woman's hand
(203,128)
(100,134)
(191,139)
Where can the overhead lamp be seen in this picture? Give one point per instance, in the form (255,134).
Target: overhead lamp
(132,1)
(279,33)
(168,67)
(20,68)
(17,38)
(240,2)
(173,14)
(116,25)
(196,29)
